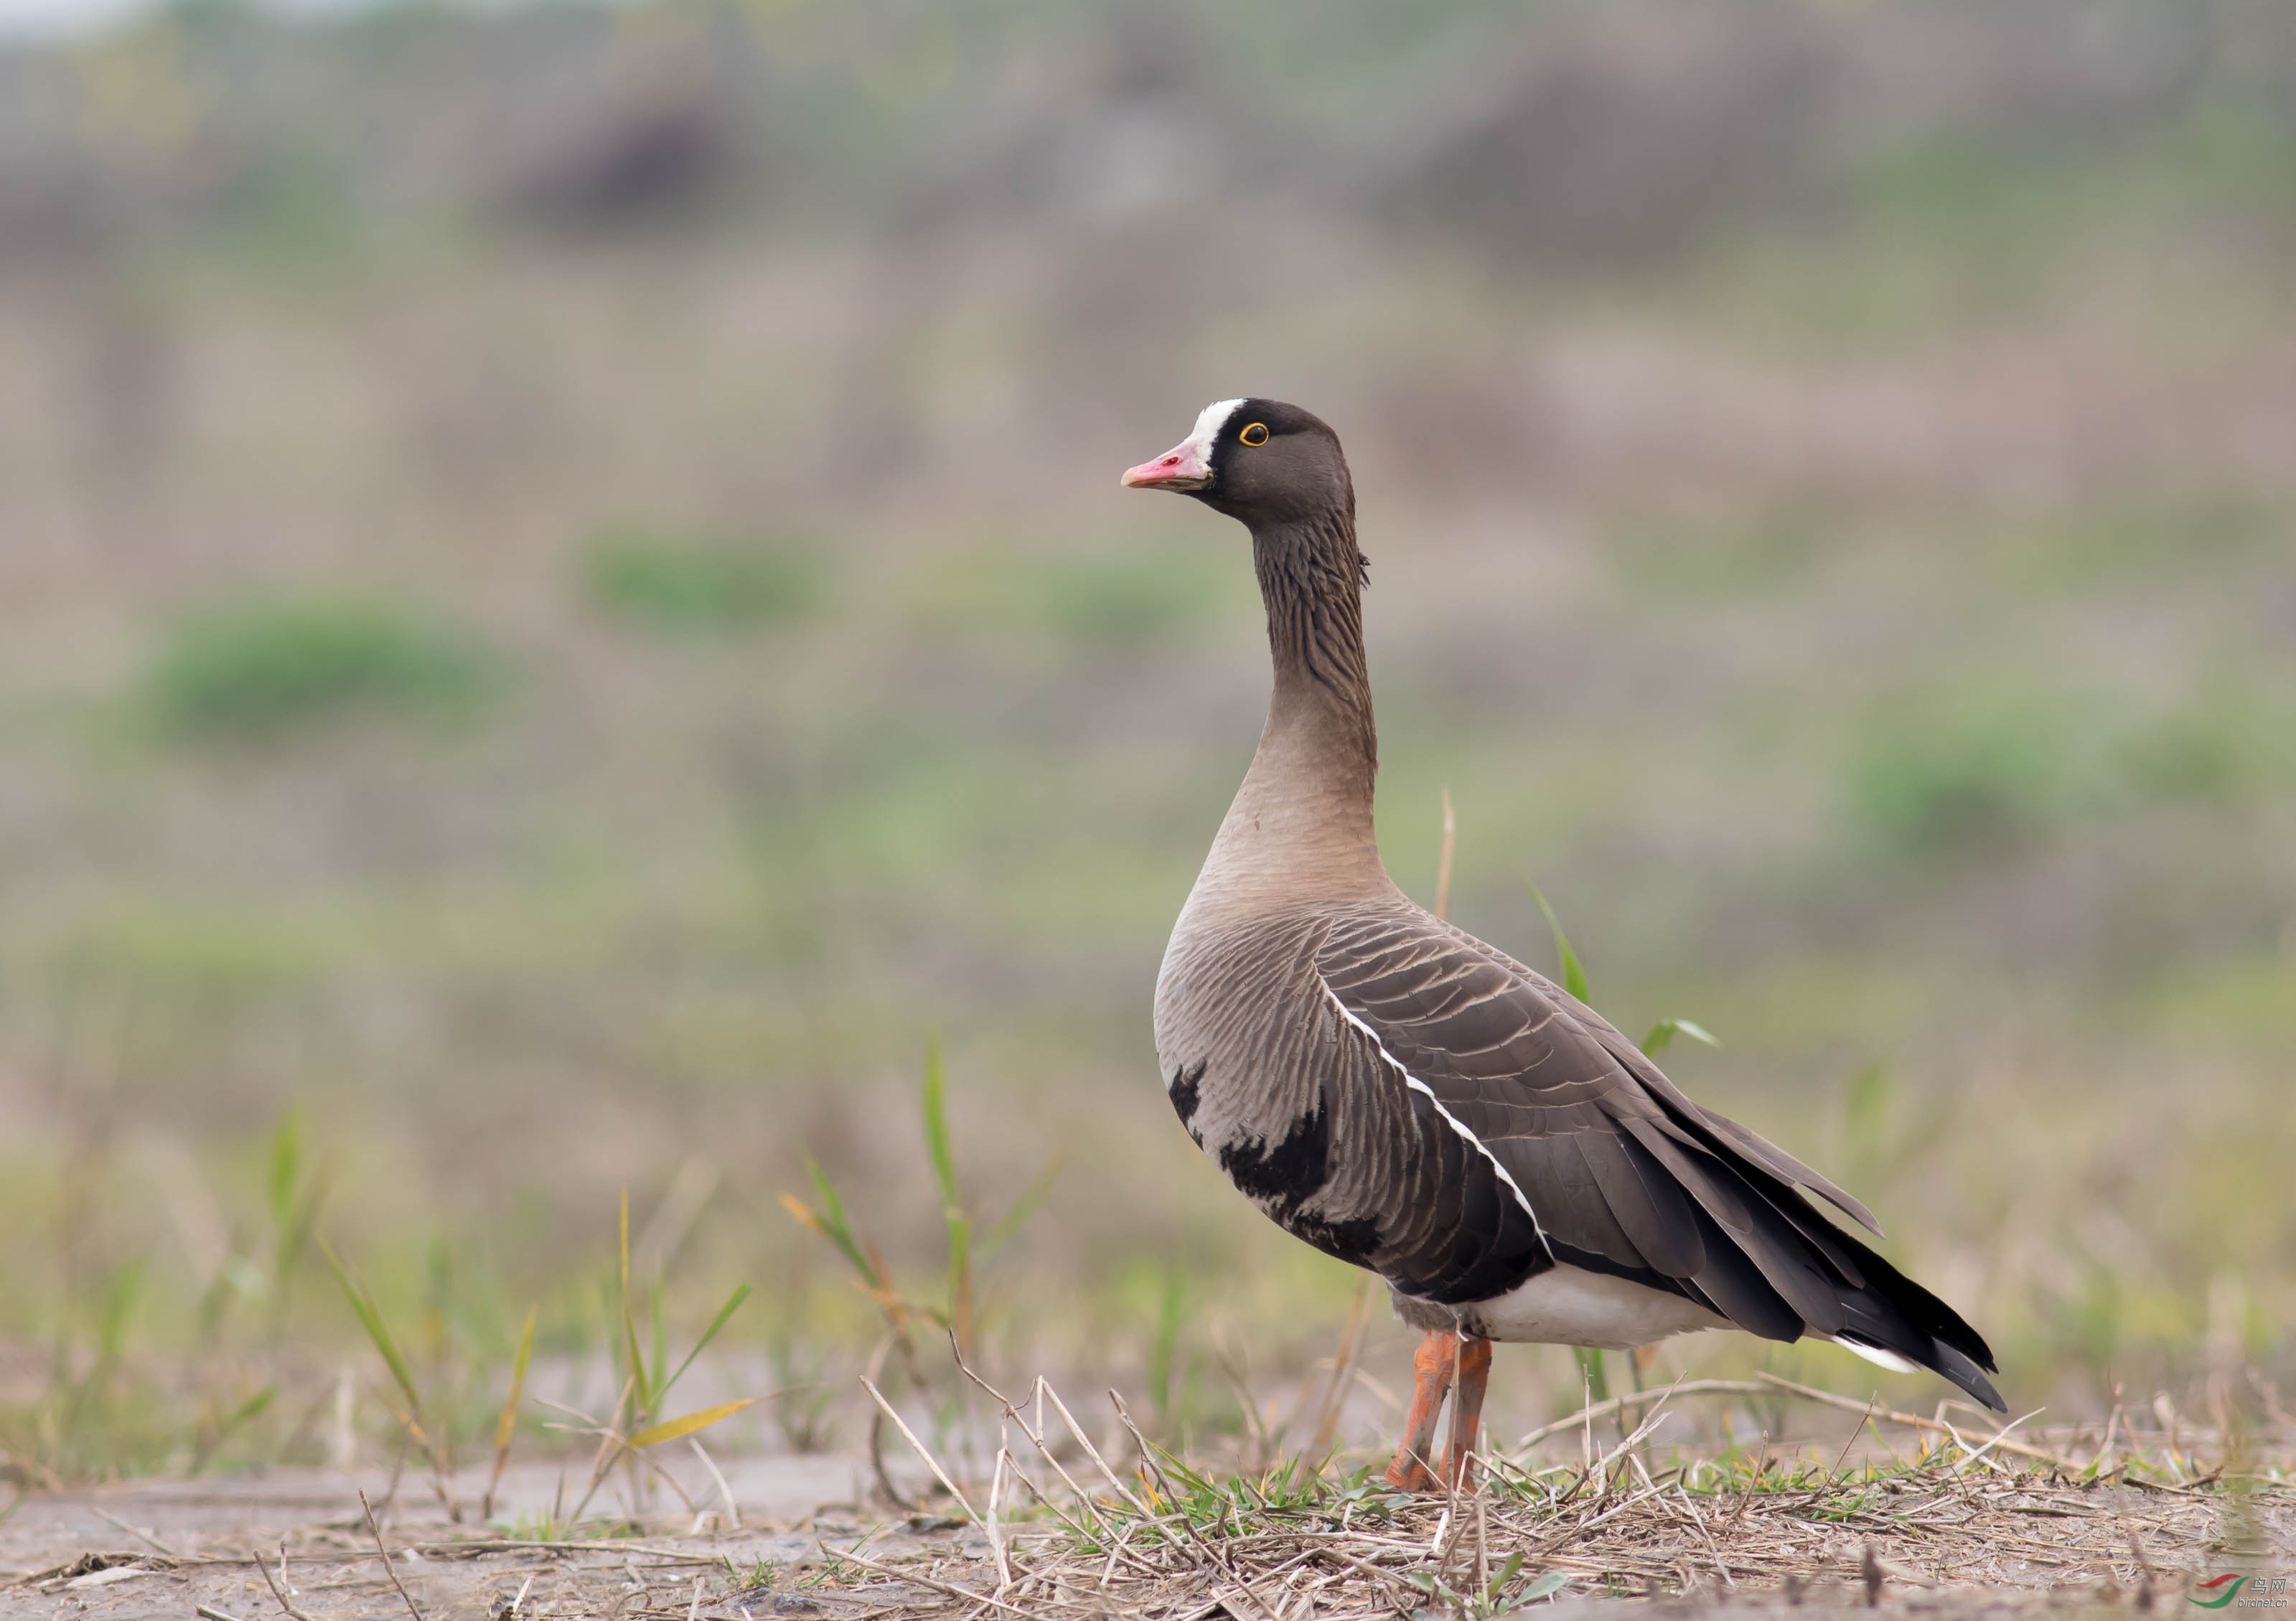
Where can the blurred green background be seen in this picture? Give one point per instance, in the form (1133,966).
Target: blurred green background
(564,608)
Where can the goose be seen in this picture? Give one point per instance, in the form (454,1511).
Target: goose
(1407,1099)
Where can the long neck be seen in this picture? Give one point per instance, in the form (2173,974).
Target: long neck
(1302,823)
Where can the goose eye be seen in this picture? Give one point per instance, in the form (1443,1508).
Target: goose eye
(1256,434)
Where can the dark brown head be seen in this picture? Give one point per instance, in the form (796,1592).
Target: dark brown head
(1260,461)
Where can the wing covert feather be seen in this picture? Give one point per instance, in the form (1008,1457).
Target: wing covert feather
(1623,1172)
(1612,1164)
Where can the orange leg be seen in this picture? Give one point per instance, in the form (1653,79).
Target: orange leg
(1436,1363)
(1474,1363)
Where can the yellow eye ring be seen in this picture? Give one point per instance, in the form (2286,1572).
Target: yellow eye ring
(1256,434)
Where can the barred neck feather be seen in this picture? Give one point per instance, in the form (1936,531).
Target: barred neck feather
(1301,822)
(1311,581)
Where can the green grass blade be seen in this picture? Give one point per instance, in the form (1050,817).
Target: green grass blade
(120,1299)
(958,1225)
(371,1320)
(960,1278)
(247,1409)
(1505,1574)
(240,1415)
(294,1234)
(732,1304)
(1161,1355)
(506,1426)
(206,1445)
(679,1427)
(286,1167)
(830,1222)
(1574,976)
(508,1422)
(637,1367)
(833,1207)
(1662,1034)
(936,1111)
(660,1359)
(1196,1483)
(1590,1365)
(1025,1207)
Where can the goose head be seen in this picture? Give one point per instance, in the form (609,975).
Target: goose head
(1260,461)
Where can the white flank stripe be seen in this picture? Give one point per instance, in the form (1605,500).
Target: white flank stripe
(1878,1356)
(1458,1125)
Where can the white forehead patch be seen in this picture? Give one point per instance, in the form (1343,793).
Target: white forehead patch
(1209,423)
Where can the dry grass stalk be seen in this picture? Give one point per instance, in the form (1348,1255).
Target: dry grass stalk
(1295,1543)
(381,1552)
(1968,1528)
(725,1492)
(1587,1416)
(1185,1540)
(988,1523)
(1304,1546)
(506,1425)
(144,1537)
(278,1587)
(613,1445)
(1343,1365)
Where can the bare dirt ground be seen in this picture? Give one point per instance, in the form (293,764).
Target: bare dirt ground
(1962,1537)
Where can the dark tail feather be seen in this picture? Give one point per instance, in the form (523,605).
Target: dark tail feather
(1916,1325)
(1965,1373)
(1796,1264)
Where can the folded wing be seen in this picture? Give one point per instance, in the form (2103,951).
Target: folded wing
(1622,1172)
